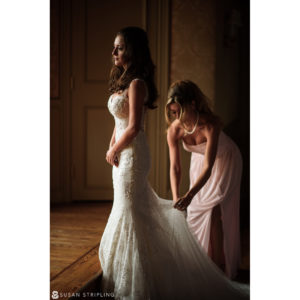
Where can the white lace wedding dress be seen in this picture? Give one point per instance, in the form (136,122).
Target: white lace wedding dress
(147,250)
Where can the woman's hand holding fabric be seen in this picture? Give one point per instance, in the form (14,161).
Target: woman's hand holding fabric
(183,202)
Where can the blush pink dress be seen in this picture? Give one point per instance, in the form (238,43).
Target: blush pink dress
(223,187)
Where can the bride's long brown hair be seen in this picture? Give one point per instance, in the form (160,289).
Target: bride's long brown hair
(140,65)
(184,92)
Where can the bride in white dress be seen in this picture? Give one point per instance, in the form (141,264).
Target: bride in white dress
(147,250)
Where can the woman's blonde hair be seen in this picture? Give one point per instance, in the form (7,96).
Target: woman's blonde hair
(184,92)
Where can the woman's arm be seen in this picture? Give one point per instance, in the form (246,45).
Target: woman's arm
(212,135)
(136,95)
(113,138)
(174,154)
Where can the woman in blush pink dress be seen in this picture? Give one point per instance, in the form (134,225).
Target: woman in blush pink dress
(212,201)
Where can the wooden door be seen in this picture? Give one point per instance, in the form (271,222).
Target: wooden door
(94,25)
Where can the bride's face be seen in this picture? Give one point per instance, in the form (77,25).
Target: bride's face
(119,52)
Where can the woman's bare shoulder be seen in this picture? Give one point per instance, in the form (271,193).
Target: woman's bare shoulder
(175,130)
(137,86)
(212,129)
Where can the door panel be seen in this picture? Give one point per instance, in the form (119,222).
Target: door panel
(94,25)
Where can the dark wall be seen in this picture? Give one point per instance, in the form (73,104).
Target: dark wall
(233,84)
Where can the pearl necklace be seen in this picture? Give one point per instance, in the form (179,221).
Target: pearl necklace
(193,130)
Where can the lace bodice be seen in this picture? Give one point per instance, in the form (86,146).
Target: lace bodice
(118,105)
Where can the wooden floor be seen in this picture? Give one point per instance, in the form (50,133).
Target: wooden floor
(75,233)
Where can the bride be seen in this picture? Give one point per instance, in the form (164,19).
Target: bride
(147,250)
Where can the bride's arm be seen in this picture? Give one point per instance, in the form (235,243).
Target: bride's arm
(113,138)
(175,167)
(136,95)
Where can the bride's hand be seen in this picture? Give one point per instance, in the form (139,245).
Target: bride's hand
(111,157)
(183,202)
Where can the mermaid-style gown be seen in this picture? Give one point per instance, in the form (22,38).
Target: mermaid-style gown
(147,250)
